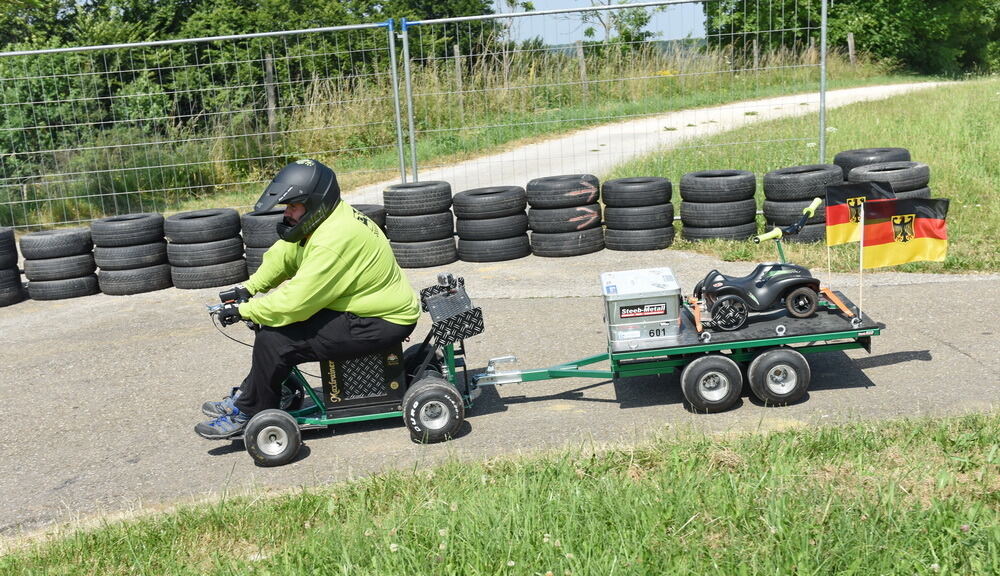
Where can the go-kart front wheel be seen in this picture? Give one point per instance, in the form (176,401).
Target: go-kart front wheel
(801,302)
(272,438)
(432,409)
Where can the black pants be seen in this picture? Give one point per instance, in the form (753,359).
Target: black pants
(327,335)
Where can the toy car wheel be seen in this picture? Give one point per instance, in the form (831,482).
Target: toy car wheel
(779,376)
(272,438)
(712,383)
(801,302)
(433,410)
(730,312)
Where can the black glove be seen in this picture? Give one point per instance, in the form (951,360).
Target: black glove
(235,294)
(229,314)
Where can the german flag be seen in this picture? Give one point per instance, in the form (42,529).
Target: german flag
(843,202)
(900,231)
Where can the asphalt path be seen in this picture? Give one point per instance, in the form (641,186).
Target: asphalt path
(100,393)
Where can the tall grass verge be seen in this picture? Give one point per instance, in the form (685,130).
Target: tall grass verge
(905,497)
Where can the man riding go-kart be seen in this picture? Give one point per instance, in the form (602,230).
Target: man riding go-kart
(333,291)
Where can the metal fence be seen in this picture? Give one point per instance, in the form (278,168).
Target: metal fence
(104,130)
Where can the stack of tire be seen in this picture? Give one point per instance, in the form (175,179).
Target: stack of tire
(260,232)
(491,224)
(420,224)
(11,289)
(787,191)
(131,253)
(564,215)
(851,159)
(204,248)
(638,214)
(59,264)
(718,204)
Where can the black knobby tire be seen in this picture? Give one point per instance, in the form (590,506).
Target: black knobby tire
(127,230)
(718,186)
(740,232)
(374,212)
(62,289)
(554,220)
(638,191)
(567,243)
(785,213)
(779,376)
(413,198)
(202,226)
(261,230)
(425,254)
(712,383)
(563,191)
(130,257)
(134,280)
(433,410)
(496,250)
(634,240)
(8,248)
(205,253)
(492,228)
(808,233)
(56,243)
(194,277)
(420,228)
(490,202)
(801,182)
(903,176)
(850,159)
(801,302)
(639,217)
(59,268)
(709,214)
(272,438)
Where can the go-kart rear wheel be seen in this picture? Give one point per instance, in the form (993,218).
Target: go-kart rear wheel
(712,383)
(272,438)
(432,409)
(730,312)
(779,376)
(801,302)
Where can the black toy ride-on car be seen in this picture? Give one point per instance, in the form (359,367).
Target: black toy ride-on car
(730,299)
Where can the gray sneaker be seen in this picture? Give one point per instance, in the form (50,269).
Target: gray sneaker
(221,408)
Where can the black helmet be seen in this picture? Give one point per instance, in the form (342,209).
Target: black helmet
(306,182)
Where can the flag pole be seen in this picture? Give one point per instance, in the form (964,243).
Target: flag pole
(861,262)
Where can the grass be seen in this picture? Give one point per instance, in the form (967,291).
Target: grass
(951,128)
(903,497)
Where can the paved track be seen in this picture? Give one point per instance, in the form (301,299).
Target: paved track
(101,393)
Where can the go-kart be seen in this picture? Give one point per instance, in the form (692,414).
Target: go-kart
(771,286)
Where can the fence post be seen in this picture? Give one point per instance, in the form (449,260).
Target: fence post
(409,97)
(583,70)
(850,48)
(822,84)
(272,98)
(458,82)
(394,75)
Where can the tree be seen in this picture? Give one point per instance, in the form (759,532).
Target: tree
(624,26)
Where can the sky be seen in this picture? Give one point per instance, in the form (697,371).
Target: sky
(675,22)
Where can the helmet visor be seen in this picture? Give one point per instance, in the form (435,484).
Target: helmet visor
(279,193)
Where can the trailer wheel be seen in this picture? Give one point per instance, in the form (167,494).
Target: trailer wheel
(712,383)
(801,302)
(272,438)
(432,409)
(730,312)
(779,376)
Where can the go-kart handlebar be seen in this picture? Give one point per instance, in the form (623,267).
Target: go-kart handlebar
(777,233)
